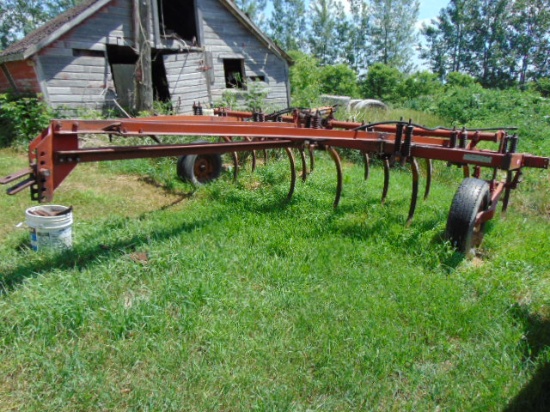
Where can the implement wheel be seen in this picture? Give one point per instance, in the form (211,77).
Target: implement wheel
(473,196)
(199,169)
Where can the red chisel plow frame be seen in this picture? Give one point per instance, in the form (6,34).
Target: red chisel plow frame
(56,152)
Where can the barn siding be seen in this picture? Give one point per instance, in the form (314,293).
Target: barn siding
(73,82)
(193,75)
(187,83)
(24,76)
(226,37)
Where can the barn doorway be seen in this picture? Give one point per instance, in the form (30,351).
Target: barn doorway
(123,67)
(177,18)
(161,90)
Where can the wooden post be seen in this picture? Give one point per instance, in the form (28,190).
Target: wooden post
(143,73)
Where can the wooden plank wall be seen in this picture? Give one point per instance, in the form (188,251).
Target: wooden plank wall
(225,37)
(23,75)
(83,79)
(186,80)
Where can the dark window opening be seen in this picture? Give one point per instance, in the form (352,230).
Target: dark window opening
(88,53)
(177,19)
(234,73)
(121,55)
(161,89)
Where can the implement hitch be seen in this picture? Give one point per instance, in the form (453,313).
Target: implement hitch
(56,152)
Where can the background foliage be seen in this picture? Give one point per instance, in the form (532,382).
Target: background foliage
(22,118)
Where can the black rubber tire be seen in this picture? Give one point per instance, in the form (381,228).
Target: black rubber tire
(199,169)
(473,196)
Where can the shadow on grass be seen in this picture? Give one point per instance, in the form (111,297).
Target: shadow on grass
(535,395)
(89,251)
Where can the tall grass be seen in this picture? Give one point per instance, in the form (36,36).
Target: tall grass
(231,298)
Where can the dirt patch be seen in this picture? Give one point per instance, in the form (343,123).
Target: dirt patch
(92,191)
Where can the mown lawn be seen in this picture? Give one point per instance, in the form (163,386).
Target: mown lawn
(230,298)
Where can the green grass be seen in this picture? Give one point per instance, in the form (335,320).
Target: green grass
(230,298)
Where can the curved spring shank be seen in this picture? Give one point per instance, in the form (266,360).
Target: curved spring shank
(292,173)
(429,173)
(414,196)
(304,163)
(235,159)
(248,139)
(334,154)
(311,158)
(506,197)
(366,161)
(386,179)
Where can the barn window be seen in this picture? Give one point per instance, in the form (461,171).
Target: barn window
(177,19)
(88,53)
(234,73)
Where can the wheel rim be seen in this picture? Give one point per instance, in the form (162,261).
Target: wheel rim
(204,168)
(478,230)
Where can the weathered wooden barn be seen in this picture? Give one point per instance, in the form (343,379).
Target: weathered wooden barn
(134,51)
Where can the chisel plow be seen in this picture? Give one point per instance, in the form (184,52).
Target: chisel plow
(58,150)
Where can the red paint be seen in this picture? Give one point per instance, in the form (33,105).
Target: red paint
(23,75)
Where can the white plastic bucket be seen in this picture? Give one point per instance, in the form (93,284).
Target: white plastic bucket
(50,232)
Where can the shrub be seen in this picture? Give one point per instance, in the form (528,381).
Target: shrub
(305,80)
(382,82)
(457,79)
(542,86)
(340,80)
(22,118)
(419,84)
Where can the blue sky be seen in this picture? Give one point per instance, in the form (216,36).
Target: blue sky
(430,8)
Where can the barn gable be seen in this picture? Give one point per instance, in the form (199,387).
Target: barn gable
(200,49)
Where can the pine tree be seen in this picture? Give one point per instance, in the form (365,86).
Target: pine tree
(392,32)
(321,36)
(530,38)
(287,25)
(253,9)
(499,42)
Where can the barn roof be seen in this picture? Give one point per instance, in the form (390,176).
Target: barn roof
(51,31)
(54,29)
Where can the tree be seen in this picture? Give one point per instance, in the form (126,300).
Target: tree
(305,79)
(253,9)
(356,33)
(451,38)
(19,17)
(499,42)
(344,41)
(492,61)
(435,52)
(287,25)
(456,25)
(392,32)
(530,38)
(322,30)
